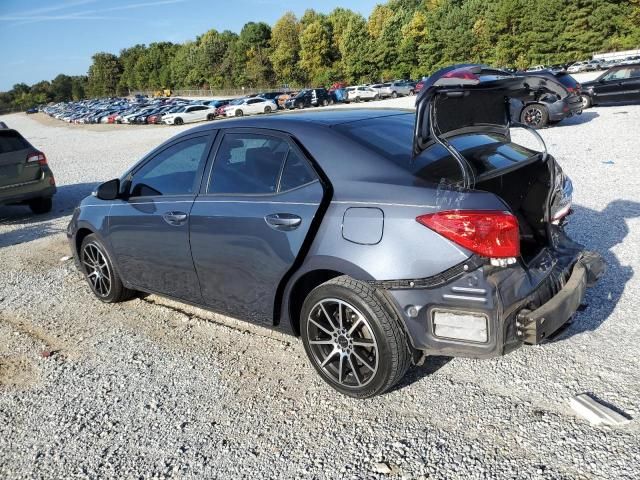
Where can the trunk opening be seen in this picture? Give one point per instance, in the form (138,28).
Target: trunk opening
(526,192)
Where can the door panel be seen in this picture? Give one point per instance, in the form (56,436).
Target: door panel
(152,252)
(239,257)
(248,227)
(149,231)
(631,85)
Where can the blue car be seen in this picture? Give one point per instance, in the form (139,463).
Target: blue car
(381,237)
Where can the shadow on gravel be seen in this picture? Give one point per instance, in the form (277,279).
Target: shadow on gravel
(585,117)
(32,226)
(606,229)
(417,373)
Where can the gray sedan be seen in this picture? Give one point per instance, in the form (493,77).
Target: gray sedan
(380,237)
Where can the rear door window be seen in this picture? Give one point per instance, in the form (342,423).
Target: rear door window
(257,164)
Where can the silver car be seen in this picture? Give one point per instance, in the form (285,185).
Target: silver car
(396,89)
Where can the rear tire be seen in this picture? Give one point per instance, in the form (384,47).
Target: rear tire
(96,264)
(412,93)
(325,102)
(211,117)
(535,116)
(41,205)
(367,353)
(394,94)
(586,101)
(267,109)
(376,98)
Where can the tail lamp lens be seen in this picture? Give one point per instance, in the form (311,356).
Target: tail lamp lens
(37,157)
(490,233)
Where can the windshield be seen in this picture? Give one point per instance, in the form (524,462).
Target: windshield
(392,136)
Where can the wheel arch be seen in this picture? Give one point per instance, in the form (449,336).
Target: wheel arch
(316,272)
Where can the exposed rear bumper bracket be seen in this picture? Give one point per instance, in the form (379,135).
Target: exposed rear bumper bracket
(537,325)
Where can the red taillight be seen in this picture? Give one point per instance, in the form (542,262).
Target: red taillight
(490,233)
(37,157)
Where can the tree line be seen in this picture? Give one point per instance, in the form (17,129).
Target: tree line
(399,39)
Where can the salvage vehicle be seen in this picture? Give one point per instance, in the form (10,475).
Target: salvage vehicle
(550,106)
(25,176)
(362,92)
(249,106)
(313,97)
(379,236)
(189,114)
(618,85)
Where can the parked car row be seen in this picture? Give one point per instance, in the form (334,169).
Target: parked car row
(596,64)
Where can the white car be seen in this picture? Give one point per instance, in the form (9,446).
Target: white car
(362,92)
(248,106)
(189,114)
(577,67)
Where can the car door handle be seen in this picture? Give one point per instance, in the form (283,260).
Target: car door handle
(175,218)
(283,221)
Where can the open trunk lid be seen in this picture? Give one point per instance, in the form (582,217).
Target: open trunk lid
(472,98)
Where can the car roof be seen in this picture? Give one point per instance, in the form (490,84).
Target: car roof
(326,117)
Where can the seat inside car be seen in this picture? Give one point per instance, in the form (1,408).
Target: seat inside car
(263,166)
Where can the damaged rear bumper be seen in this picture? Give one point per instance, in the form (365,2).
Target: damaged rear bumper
(521,304)
(535,326)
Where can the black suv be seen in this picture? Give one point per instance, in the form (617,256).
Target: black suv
(25,176)
(619,84)
(312,97)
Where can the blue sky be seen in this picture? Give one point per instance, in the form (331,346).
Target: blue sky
(39,38)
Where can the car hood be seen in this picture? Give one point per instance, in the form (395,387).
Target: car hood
(472,97)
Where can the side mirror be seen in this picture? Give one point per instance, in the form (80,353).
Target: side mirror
(109,190)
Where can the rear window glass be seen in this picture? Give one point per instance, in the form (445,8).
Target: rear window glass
(392,137)
(12,141)
(567,80)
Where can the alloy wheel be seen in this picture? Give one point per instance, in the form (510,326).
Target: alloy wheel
(97,269)
(342,343)
(533,116)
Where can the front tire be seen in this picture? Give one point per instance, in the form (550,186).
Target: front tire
(104,281)
(586,101)
(178,121)
(239,113)
(353,337)
(535,116)
(41,205)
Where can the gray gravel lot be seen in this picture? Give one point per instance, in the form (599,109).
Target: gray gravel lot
(155,389)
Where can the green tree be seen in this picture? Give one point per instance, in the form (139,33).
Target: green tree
(128,59)
(104,75)
(285,50)
(315,46)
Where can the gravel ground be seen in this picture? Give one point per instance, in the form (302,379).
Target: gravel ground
(154,389)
